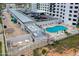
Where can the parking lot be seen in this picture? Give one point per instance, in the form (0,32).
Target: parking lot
(12,29)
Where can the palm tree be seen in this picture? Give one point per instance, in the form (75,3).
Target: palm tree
(44,51)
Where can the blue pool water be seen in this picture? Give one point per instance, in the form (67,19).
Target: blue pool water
(56,29)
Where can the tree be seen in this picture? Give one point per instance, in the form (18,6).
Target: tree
(44,51)
(0,8)
(66,32)
(0,20)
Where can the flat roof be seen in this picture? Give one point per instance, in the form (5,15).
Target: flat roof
(38,11)
(21,16)
(48,18)
(33,27)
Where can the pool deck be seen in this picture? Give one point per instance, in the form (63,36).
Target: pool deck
(60,35)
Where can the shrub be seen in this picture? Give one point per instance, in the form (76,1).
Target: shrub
(77,26)
(66,32)
(0,20)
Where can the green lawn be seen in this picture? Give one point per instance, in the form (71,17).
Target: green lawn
(77,26)
(0,48)
(60,46)
(68,43)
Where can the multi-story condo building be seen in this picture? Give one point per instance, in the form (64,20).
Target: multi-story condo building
(45,7)
(34,6)
(10,5)
(68,12)
(18,5)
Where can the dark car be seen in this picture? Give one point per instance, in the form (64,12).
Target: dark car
(37,17)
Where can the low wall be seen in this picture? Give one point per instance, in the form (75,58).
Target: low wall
(45,23)
(28,51)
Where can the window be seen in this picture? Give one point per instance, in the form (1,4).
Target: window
(57,5)
(71,3)
(76,3)
(60,15)
(57,8)
(53,14)
(63,17)
(70,11)
(50,14)
(64,6)
(69,18)
(54,5)
(63,13)
(64,10)
(73,23)
(53,11)
(60,12)
(70,15)
(71,7)
(53,8)
(75,11)
(74,19)
(61,5)
(57,12)
(75,15)
(61,9)
(76,7)
(57,15)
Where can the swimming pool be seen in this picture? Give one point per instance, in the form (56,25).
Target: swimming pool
(56,29)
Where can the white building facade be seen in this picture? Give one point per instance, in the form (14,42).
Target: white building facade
(45,7)
(68,12)
(34,6)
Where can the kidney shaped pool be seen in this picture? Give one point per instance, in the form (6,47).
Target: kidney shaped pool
(56,29)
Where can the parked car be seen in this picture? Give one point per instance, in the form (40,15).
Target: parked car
(37,17)
(43,17)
